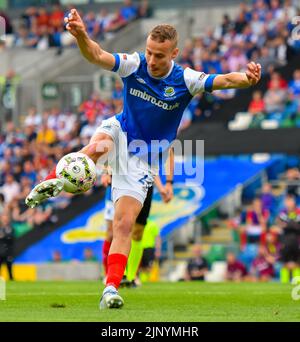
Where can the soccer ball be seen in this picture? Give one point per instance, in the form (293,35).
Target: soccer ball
(77,171)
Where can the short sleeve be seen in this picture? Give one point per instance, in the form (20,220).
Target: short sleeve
(198,82)
(126,64)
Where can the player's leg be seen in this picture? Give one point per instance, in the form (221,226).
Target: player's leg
(9,264)
(100,144)
(109,216)
(136,251)
(107,244)
(126,211)
(146,264)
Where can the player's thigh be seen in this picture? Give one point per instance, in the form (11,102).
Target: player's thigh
(127,209)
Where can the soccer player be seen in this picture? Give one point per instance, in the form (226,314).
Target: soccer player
(156,92)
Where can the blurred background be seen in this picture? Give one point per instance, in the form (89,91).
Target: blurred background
(241,224)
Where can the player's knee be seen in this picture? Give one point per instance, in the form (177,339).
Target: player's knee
(123,225)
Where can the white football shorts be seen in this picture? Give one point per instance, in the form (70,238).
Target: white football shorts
(131,176)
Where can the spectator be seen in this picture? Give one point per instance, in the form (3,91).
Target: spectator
(32,118)
(262,268)
(56,257)
(236,270)
(254,223)
(128,11)
(89,129)
(117,96)
(25,38)
(267,198)
(289,223)
(293,177)
(10,189)
(56,17)
(257,25)
(43,19)
(237,59)
(273,246)
(46,135)
(197,266)
(275,98)
(92,107)
(145,10)
(88,255)
(116,23)
(266,61)
(6,243)
(276,77)
(257,104)
(29,171)
(294,85)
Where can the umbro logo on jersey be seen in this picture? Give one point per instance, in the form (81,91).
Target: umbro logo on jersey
(147,97)
(140,80)
(169,91)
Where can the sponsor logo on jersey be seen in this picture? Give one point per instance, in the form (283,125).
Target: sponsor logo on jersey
(159,103)
(169,92)
(202,75)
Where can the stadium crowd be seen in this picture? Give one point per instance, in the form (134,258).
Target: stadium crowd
(268,233)
(27,155)
(261,32)
(40,28)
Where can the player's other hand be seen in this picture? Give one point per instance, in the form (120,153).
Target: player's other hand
(253,73)
(74,24)
(166,193)
(169,190)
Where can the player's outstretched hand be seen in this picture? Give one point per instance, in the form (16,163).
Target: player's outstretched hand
(253,73)
(75,24)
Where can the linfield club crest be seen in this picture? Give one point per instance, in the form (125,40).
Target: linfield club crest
(169,92)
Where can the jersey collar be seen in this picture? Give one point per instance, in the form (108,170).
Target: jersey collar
(163,77)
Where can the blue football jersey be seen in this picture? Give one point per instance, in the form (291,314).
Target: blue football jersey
(153,107)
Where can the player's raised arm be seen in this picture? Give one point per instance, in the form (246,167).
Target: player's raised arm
(89,49)
(238,79)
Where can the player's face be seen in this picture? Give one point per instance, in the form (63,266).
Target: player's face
(159,56)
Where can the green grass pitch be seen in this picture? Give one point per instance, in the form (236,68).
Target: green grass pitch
(153,302)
